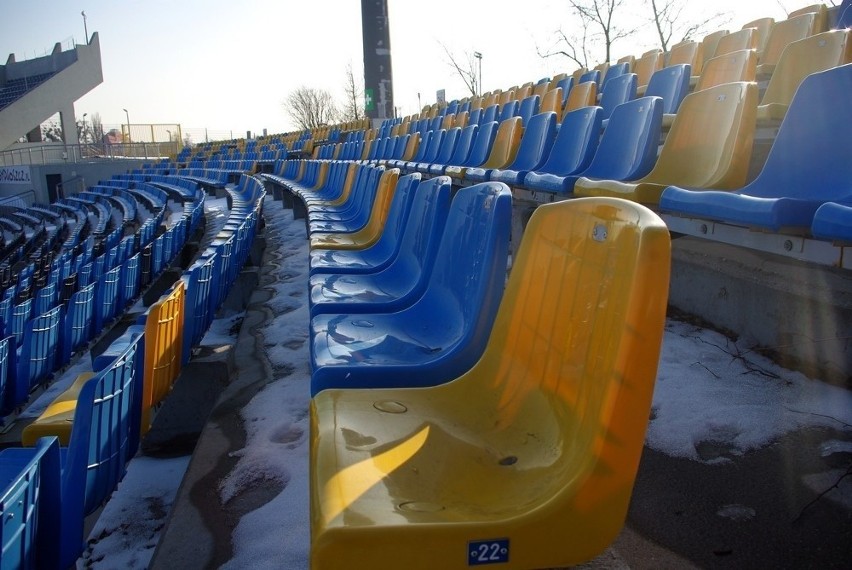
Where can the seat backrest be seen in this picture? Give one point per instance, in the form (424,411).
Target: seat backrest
(576,142)
(672,84)
(803,57)
(628,147)
(647,65)
(489,114)
(592,75)
(436,138)
(163,348)
(536,142)
(510,109)
(619,89)
(709,144)
(630,60)
(528,107)
(735,41)
(463,146)
(612,72)
(690,52)
(101,443)
(481,146)
(581,95)
(541,88)
(844,15)
(474,117)
(763,27)
(422,145)
(461,120)
(448,145)
(740,65)
(40,347)
(587,355)
(506,143)
(552,102)
(410,147)
(711,42)
(820,12)
(810,155)
(470,264)
(786,32)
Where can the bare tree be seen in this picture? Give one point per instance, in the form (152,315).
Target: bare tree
(310,108)
(669,21)
(51,131)
(465,68)
(596,25)
(97,127)
(353,107)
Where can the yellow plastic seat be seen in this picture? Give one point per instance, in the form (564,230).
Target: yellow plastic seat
(821,14)
(630,60)
(411,146)
(578,73)
(58,418)
(370,233)
(735,41)
(709,44)
(163,349)
(800,59)
(581,95)
(709,146)
(650,62)
(763,27)
(552,102)
(503,150)
(689,52)
(784,33)
(738,65)
(351,174)
(461,119)
(530,457)
(541,89)
(554,82)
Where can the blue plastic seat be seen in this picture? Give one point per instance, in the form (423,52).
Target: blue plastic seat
(613,71)
(445,331)
(489,114)
(508,111)
(591,75)
(28,499)
(528,108)
(430,150)
(431,200)
(627,150)
(40,349)
(672,84)
(358,204)
(479,149)
(532,152)
(618,90)
(458,152)
(566,83)
(474,117)
(574,147)
(833,221)
(808,165)
(446,146)
(844,15)
(403,280)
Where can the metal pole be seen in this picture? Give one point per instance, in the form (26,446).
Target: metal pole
(478,56)
(129,138)
(85,27)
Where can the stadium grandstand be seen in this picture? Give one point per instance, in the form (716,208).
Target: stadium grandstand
(480,310)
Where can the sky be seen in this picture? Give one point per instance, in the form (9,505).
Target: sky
(708,389)
(227,66)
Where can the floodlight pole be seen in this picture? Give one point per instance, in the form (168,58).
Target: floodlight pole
(478,56)
(127,115)
(84,127)
(85,27)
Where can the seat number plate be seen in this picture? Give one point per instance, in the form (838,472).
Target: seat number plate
(488,552)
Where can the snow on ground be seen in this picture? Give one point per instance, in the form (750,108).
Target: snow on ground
(709,390)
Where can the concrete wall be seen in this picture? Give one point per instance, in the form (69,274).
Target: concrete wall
(799,312)
(74,176)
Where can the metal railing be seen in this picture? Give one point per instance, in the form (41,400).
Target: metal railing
(73,153)
(23,199)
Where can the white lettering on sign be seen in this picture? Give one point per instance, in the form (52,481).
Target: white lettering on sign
(15,175)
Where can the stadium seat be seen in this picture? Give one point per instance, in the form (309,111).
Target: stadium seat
(671,84)
(629,60)
(431,201)
(529,458)
(443,333)
(532,151)
(355,212)
(735,66)
(463,147)
(528,107)
(763,27)
(782,34)
(28,498)
(479,151)
(612,72)
(342,235)
(807,166)
(844,16)
(444,152)
(689,52)
(581,95)
(650,62)
(627,150)
(574,146)
(503,152)
(799,59)
(591,75)
(833,221)
(736,41)
(104,436)
(820,12)
(709,146)
(552,102)
(618,90)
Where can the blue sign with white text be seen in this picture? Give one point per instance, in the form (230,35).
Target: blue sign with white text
(488,552)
